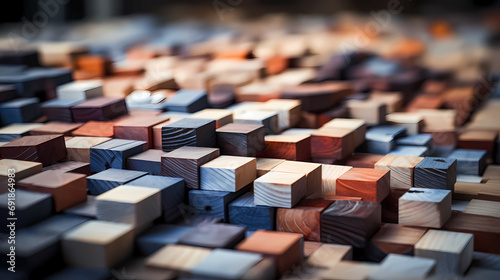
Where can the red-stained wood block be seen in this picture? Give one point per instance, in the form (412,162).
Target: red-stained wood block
(138,128)
(56,128)
(95,129)
(312,171)
(41,148)
(335,143)
(478,140)
(289,147)
(97,65)
(370,184)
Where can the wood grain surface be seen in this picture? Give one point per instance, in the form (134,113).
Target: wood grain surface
(277,189)
(312,171)
(436,173)
(289,147)
(370,184)
(45,149)
(228,173)
(402,169)
(425,207)
(188,132)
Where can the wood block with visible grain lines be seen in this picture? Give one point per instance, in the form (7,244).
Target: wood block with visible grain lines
(56,128)
(335,143)
(370,184)
(79,147)
(138,128)
(312,171)
(436,173)
(265,165)
(178,257)
(278,189)
(425,207)
(483,207)
(357,125)
(95,129)
(328,255)
(241,139)
(228,173)
(243,211)
(114,154)
(329,175)
(269,119)
(402,169)
(188,132)
(45,149)
(289,147)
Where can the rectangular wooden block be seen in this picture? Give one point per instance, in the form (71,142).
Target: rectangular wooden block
(469,162)
(278,189)
(19,169)
(241,139)
(114,154)
(178,257)
(78,148)
(412,121)
(188,132)
(370,184)
(329,175)
(148,161)
(95,129)
(312,171)
(357,125)
(18,130)
(212,203)
(483,207)
(45,149)
(111,178)
(265,165)
(436,173)
(382,139)
(80,90)
(188,101)
(138,128)
(334,143)
(59,109)
(31,208)
(243,211)
(424,140)
(289,147)
(214,236)
(20,110)
(362,160)
(478,140)
(221,117)
(228,173)
(425,207)
(373,112)
(56,128)
(402,169)
(99,109)
(269,119)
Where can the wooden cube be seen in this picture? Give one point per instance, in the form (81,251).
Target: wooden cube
(357,125)
(425,207)
(304,218)
(393,239)
(401,168)
(16,169)
(138,128)
(373,112)
(451,250)
(329,175)
(284,247)
(436,173)
(178,257)
(114,154)
(80,90)
(188,132)
(227,173)
(312,171)
(370,184)
(243,211)
(241,139)
(82,247)
(412,121)
(56,128)
(382,139)
(20,110)
(334,143)
(214,236)
(338,220)
(469,162)
(45,149)
(221,117)
(18,130)
(278,189)
(110,178)
(265,165)
(99,109)
(148,161)
(188,101)
(79,147)
(289,112)
(211,203)
(95,129)
(269,119)
(289,147)
(67,189)
(185,163)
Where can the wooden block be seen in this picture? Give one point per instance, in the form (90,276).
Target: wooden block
(87,209)
(95,129)
(83,248)
(257,91)
(491,191)
(188,101)
(226,264)
(159,236)
(304,218)
(7,92)
(241,139)
(393,100)
(211,203)
(412,121)
(334,143)
(157,133)
(221,117)
(483,207)
(370,184)
(76,272)
(228,173)
(390,205)
(45,149)
(416,140)
(67,189)
(284,247)
(329,175)
(312,171)
(425,101)
(382,139)
(269,119)
(185,163)
(114,154)
(97,65)
(111,178)
(318,97)
(451,250)
(188,132)
(56,128)
(80,90)
(27,83)
(289,147)
(243,211)
(172,191)
(402,169)
(358,125)
(20,110)
(436,173)
(19,57)
(331,196)
(328,255)
(78,148)
(410,151)
(492,172)
(147,161)
(362,160)
(17,169)
(99,109)
(470,162)
(18,130)
(265,165)
(30,208)
(394,239)
(138,128)
(289,111)
(278,189)
(425,207)
(137,206)
(70,166)
(397,266)
(372,112)
(478,140)
(214,236)
(350,270)
(338,220)
(178,257)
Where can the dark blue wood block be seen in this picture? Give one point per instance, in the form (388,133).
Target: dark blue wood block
(382,139)
(442,151)
(59,109)
(7,92)
(20,57)
(213,203)
(27,84)
(80,273)
(114,154)
(416,140)
(58,224)
(148,161)
(243,211)
(188,132)
(20,110)
(111,178)
(159,236)
(172,193)
(410,151)
(30,208)
(187,101)
(436,173)
(470,162)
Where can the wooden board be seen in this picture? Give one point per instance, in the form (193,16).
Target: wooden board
(148,161)
(278,189)
(436,173)
(111,178)
(228,173)
(114,154)
(243,211)
(425,207)
(402,169)
(241,139)
(78,148)
(312,171)
(214,236)
(188,132)
(370,184)
(99,109)
(289,147)
(45,149)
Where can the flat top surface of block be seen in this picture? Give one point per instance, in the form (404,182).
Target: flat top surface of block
(483,207)
(269,242)
(187,152)
(345,123)
(363,174)
(80,85)
(211,114)
(141,121)
(399,161)
(59,127)
(398,234)
(268,163)
(288,138)
(149,155)
(350,208)
(189,123)
(127,194)
(118,144)
(425,194)
(384,133)
(99,102)
(463,154)
(85,142)
(331,132)
(228,162)
(296,167)
(179,257)
(51,179)
(60,103)
(99,232)
(19,102)
(444,241)
(18,165)
(155,182)
(31,140)
(184,96)
(280,178)
(19,128)
(255,115)
(239,127)
(117,175)
(436,163)
(478,135)
(415,139)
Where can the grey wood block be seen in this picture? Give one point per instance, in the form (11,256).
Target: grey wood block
(86,209)
(160,235)
(114,154)
(436,173)
(111,178)
(470,162)
(30,208)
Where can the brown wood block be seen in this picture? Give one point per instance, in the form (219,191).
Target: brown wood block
(402,169)
(276,64)
(478,140)
(17,130)
(443,137)
(425,101)
(188,132)
(393,100)
(277,189)
(372,112)
(335,143)
(79,147)
(185,163)
(425,207)
(70,166)
(97,65)
(312,171)
(241,139)
(17,169)
(228,173)
(41,148)
(318,97)
(157,132)
(304,218)
(357,125)
(56,128)
(370,184)
(265,165)
(138,128)
(67,189)
(99,109)
(178,257)
(286,248)
(289,147)
(329,175)
(492,172)
(220,116)
(362,160)
(328,255)
(483,207)
(390,206)
(96,129)
(412,121)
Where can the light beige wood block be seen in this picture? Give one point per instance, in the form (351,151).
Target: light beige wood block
(373,112)
(178,257)
(278,189)
(289,111)
(17,170)
(483,207)
(78,147)
(228,173)
(492,172)
(265,165)
(425,207)
(350,270)
(412,121)
(357,125)
(402,169)
(438,120)
(328,255)
(312,171)
(220,116)
(393,100)
(397,267)
(329,175)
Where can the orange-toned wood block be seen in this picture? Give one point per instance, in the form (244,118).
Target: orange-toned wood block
(335,143)
(370,184)
(290,147)
(138,128)
(95,128)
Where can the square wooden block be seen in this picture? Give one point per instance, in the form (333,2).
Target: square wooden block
(241,139)
(334,143)
(357,125)
(138,128)
(20,110)
(265,165)
(328,255)
(304,218)
(338,220)
(80,90)
(185,163)
(284,247)
(188,101)
(289,111)
(45,149)
(114,154)
(289,147)
(111,178)
(147,161)
(436,173)
(425,207)
(312,171)
(243,211)
(221,117)
(214,236)
(99,109)
(278,189)
(98,244)
(382,139)
(178,257)
(188,132)
(469,162)
(269,119)
(70,166)
(228,173)
(329,175)
(412,121)
(373,112)
(20,169)
(393,239)
(370,184)
(56,128)
(79,147)
(451,250)
(137,206)
(402,169)
(67,189)
(211,203)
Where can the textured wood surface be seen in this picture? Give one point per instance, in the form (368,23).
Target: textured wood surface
(269,119)
(469,162)
(277,189)
(357,125)
(10,132)
(80,90)
(241,139)
(289,147)
(159,236)
(312,171)
(45,149)
(188,132)
(78,148)
(22,169)
(382,139)
(221,117)
(265,165)
(211,203)
(329,175)
(138,128)
(243,211)
(425,207)
(478,140)
(402,169)
(436,173)
(318,97)
(178,257)
(335,143)
(483,208)
(228,173)
(370,184)
(114,154)
(412,121)
(111,178)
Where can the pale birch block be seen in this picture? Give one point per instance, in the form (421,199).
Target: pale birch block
(228,173)
(278,189)
(425,207)
(329,175)
(178,257)
(312,171)
(402,169)
(483,207)
(328,255)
